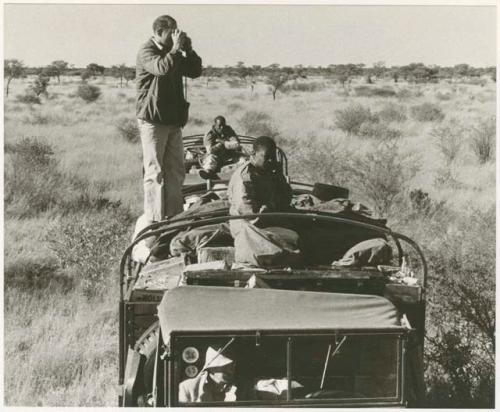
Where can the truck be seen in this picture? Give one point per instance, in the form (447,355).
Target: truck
(329,332)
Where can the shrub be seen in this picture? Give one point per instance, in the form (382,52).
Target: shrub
(34,183)
(28,273)
(29,98)
(483,139)
(40,85)
(257,123)
(196,122)
(460,349)
(392,112)
(378,130)
(443,96)
(129,130)
(404,94)
(88,247)
(449,140)
(234,107)
(427,112)
(304,87)
(88,92)
(368,91)
(235,83)
(352,117)
(381,176)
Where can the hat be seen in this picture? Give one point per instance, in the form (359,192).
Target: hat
(326,192)
(214,359)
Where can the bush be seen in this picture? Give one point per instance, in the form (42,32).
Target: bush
(404,94)
(40,85)
(460,349)
(381,176)
(29,274)
(196,122)
(88,92)
(392,112)
(304,87)
(427,112)
(29,98)
(368,91)
(449,140)
(379,131)
(352,117)
(235,83)
(483,139)
(129,130)
(34,183)
(234,107)
(443,96)
(90,246)
(256,123)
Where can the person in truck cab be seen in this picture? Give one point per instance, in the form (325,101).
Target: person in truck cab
(215,383)
(222,144)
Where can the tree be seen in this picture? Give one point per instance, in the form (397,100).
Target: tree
(210,72)
(94,69)
(12,69)
(378,69)
(343,72)
(276,79)
(129,75)
(119,72)
(462,69)
(56,69)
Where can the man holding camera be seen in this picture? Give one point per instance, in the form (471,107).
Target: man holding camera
(161,112)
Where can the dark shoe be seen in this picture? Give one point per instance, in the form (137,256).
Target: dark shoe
(208,175)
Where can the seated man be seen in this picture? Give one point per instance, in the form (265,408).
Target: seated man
(222,144)
(258,186)
(215,383)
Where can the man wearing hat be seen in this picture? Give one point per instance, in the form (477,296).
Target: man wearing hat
(215,382)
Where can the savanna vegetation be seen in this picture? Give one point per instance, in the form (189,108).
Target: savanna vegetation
(416,144)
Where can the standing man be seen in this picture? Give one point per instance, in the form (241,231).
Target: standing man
(161,112)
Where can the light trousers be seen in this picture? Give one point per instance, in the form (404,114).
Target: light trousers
(164,173)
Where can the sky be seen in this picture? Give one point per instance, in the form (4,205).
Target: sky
(256,34)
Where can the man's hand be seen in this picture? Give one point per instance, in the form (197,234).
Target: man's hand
(263,209)
(231,145)
(178,37)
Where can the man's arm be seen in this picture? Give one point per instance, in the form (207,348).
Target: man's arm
(284,195)
(212,144)
(242,196)
(233,143)
(153,62)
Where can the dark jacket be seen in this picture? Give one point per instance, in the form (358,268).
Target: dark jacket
(160,98)
(214,142)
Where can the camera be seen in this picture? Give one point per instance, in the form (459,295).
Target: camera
(185,42)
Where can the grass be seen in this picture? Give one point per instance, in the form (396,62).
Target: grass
(61,336)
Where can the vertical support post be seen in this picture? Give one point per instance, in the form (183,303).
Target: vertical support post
(289,368)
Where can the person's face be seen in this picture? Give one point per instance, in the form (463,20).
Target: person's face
(219,125)
(164,37)
(222,374)
(264,159)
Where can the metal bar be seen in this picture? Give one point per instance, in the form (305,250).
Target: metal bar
(298,214)
(289,368)
(327,360)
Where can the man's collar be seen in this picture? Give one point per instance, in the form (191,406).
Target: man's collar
(156,43)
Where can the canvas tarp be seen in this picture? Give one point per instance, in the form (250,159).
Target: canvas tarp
(218,309)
